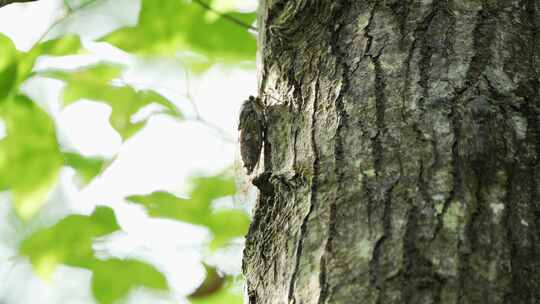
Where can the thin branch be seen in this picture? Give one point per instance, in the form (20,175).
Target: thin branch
(226,16)
(69,12)
(188,92)
(198,117)
(6,2)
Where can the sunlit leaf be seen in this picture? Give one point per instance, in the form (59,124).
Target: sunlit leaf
(69,241)
(86,167)
(29,156)
(206,189)
(95,83)
(102,73)
(197,208)
(167,27)
(113,279)
(62,46)
(167,205)
(8,67)
(225,224)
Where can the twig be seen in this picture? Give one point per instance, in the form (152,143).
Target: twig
(226,16)
(70,11)
(188,93)
(198,117)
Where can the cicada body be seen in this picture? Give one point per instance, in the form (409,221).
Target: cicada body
(251,127)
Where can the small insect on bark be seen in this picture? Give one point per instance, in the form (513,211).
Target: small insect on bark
(251,127)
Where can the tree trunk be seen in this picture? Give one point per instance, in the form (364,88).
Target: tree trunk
(401,155)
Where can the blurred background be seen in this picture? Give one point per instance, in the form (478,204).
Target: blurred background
(120,179)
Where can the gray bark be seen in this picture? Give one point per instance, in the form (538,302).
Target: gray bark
(401,156)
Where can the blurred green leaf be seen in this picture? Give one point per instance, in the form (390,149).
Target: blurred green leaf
(223,5)
(206,189)
(102,73)
(164,204)
(216,289)
(69,241)
(224,224)
(86,167)
(29,156)
(167,27)
(114,278)
(62,46)
(224,295)
(95,83)
(8,66)
(213,282)
(194,210)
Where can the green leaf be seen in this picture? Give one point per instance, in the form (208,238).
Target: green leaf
(216,289)
(69,241)
(102,73)
(194,210)
(223,296)
(86,167)
(227,293)
(213,282)
(65,45)
(62,46)
(226,225)
(223,224)
(114,278)
(29,156)
(207,189)
(94,83)
(167,205)
(8,67)
(167,27)
(223,5)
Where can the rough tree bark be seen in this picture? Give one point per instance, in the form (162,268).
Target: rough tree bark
(401,158)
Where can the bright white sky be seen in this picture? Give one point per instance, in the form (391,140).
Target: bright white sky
(160,157)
